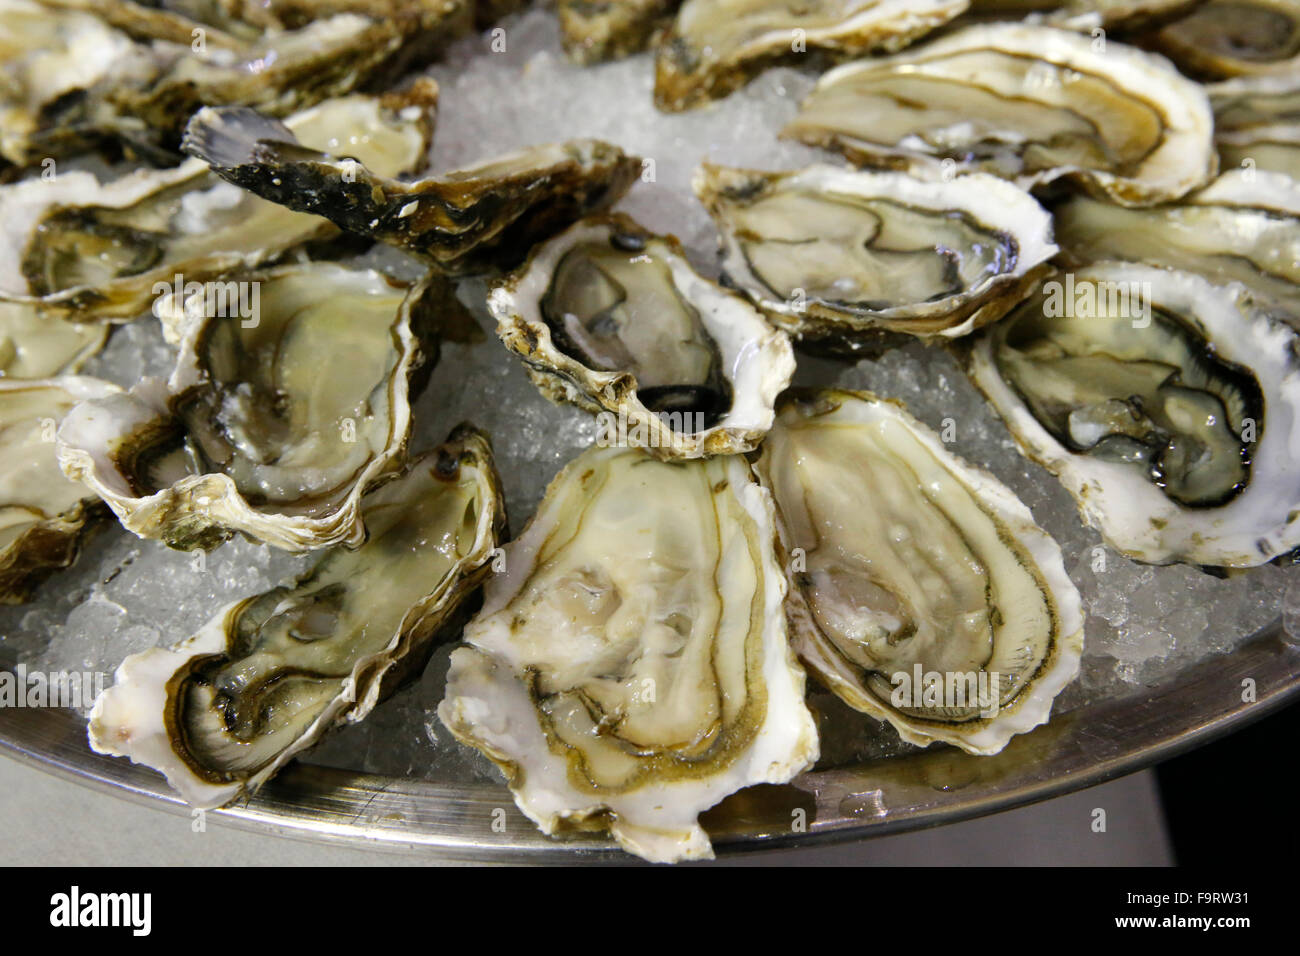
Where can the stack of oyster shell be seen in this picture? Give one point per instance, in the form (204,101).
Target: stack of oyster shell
(1034,186)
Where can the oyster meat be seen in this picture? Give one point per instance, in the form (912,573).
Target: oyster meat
(1244,227)
(613,318)
(1169,407)
(630,666)
(921,590)
(830,252)
(104,251)
(597,30)
(223,711)
(276,419)
(716,46)
(1027,102)
(467,221)
(1222,38)
(42,513)
(1257,122)
(36,345)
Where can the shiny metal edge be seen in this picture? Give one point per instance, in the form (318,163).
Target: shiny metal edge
(1079,749)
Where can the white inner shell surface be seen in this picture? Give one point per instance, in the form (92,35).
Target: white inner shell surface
(630,667)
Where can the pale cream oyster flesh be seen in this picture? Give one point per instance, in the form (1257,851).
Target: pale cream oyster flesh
(34,344)
(716,46)
(597,30)
(223,711)
(1257,122)
(830,252)
(922,592)
(290,398)
(1027,102)
(471,220)
(73,81)
(1244,227)
(611,317)
(1223,38)
(630,667)
(42,513)
(103,251)
(1169,407)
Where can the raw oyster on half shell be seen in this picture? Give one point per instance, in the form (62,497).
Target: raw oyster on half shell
(1257,122)
(276,419)
(1223,38)
(34,344)
(223,711)
(42,513)
(830,252)
(905,562)
(104,251)
(612,318)
(630,666)
(1168,407)
(1026,102)
(717,46)
(598,30)
(471,220)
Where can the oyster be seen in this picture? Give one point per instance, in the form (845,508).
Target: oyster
(222,712)
(907,565)
(1222,38)
(1257,123)
(831,252)
(42,514)
(1244,227)
(1128,14)
(1169,407)
(276,419)
(630,666)
(596,30)
(716,46)
(143,93)
(613,319)
(1029,103)
(104,251)
(467,221)
(35,345)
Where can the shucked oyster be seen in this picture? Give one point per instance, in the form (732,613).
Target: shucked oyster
(922,592)
(470,220)
(42,514)
(102,251)
(1030,103)
(1257,122)
(36,345)
(277,418)
(716,46)
(1167,406)
(1222,38)
(222,712)
(75,80)
(1244,227)
(630,668)
(831,252)
(596,30)
(613,319)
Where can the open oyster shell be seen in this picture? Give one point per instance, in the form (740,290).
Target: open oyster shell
(716,46)
(1244,227)
(42,513)
(1222,38)
(630,667)
(1125,14)
(598,30)
(471,220)
(91,82)
(275,421)
(1027,102)
(223,711)
(1169,407)
(907,562)
(612,318)
(36,345)
(1257,122)
(107,251)
(829,252)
